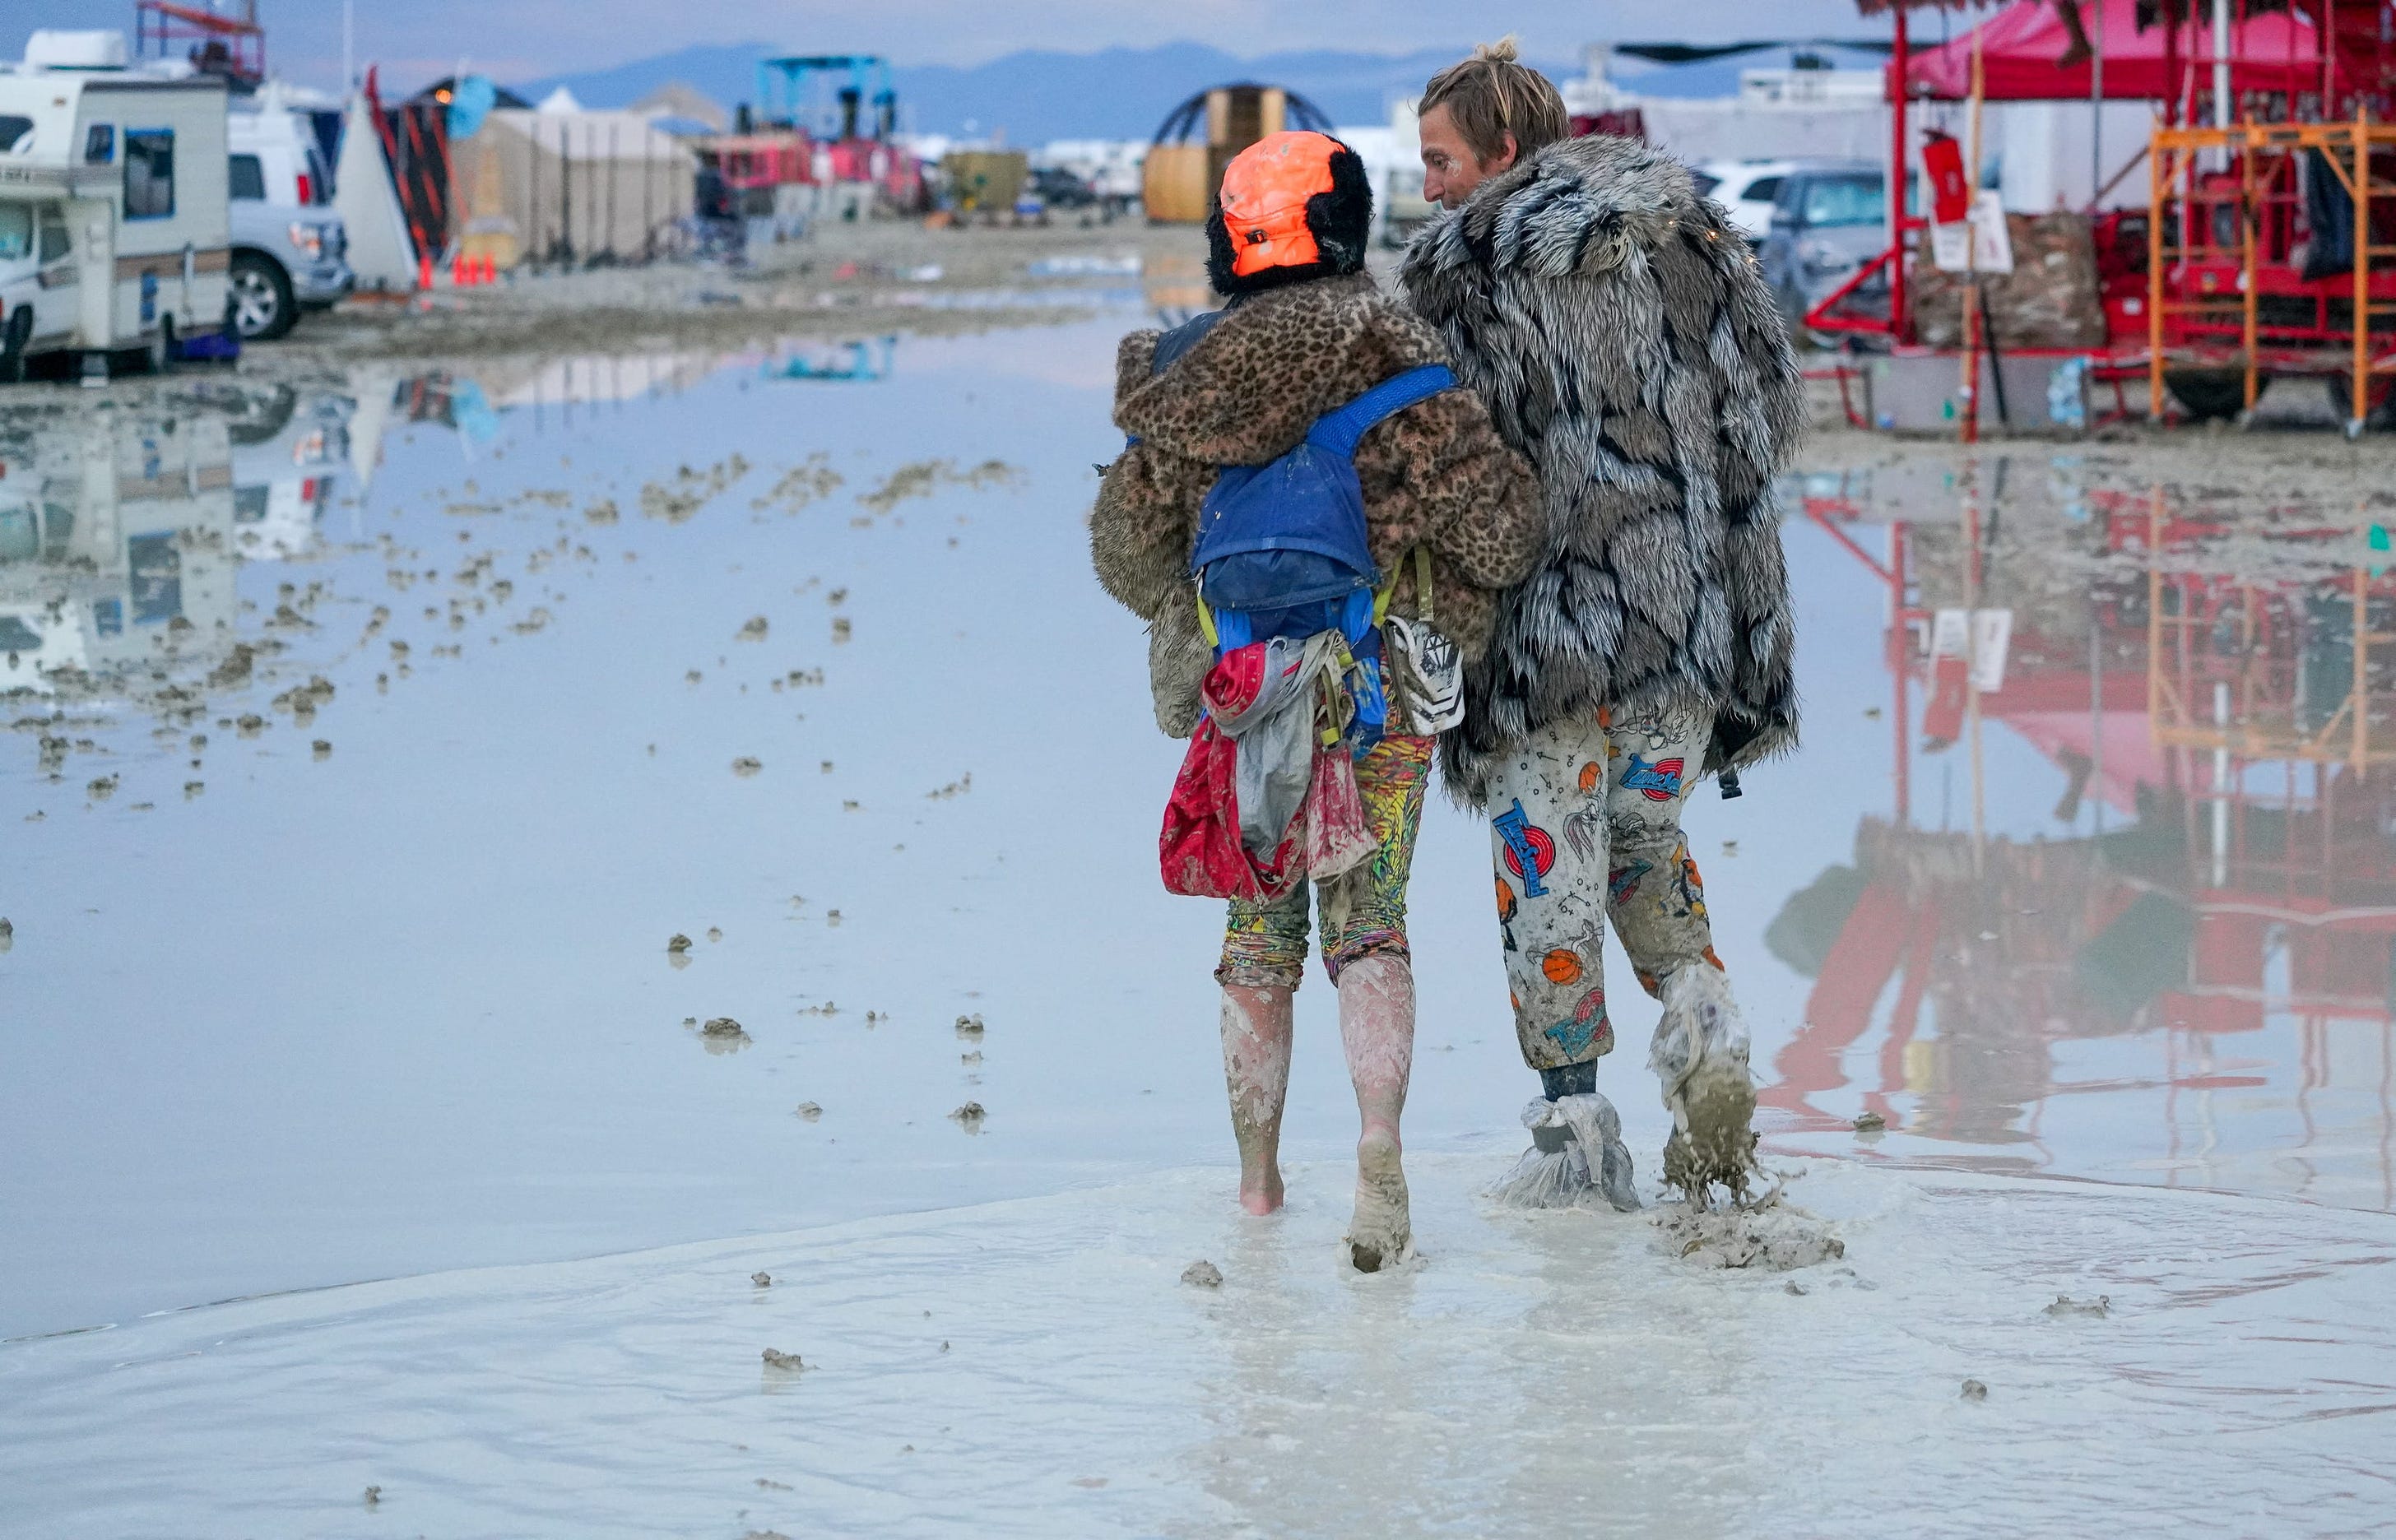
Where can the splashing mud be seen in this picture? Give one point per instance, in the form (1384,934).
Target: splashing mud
(1769,1234)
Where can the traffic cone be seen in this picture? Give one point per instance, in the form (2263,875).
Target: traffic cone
(424,271)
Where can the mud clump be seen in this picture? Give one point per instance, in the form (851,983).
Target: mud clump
(1203,1274)
(101,789)
(2065,1305)
(1870,1122)
(678,501)
(602,512)
(321,749)
(970,1027)
(746,765)
(723,1027)
(809,1111)
(374,1495)
(1770,1234)
(753,629)
(7,936)
(922,478)
(969,1117)
(763,1280)
(1975,1392)
(802,485)
(776,1359)
(235,668)
(677,942)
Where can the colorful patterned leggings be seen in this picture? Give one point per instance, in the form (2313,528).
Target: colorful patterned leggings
(1364,907)
(1585,828)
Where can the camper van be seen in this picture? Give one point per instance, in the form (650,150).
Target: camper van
(113,214)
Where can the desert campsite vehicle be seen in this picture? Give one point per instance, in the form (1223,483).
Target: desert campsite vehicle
(113,214)
(289,247)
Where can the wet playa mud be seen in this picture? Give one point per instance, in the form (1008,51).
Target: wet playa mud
(2082,889)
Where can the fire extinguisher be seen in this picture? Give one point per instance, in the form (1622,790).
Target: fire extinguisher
(1942,163)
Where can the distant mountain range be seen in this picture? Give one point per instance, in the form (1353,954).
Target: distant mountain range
(1036,95)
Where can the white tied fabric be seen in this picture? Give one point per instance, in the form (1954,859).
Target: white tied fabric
(1592,1166)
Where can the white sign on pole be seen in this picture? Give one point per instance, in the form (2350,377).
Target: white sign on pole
(1977,242)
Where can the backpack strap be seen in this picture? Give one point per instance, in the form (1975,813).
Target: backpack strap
(1421,555)
(1341,430)
(1181,339)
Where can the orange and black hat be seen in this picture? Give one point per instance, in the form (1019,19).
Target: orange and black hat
(1293,206)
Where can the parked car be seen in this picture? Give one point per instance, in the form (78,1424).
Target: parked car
(1827,220)
(1060,187)
(291,251)
(1746,190)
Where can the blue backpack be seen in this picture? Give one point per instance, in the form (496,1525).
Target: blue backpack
(1282,548)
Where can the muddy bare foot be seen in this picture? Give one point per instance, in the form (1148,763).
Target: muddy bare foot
(1381,1233)
(1261,1191)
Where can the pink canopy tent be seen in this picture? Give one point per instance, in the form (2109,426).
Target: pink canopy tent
(2019,46)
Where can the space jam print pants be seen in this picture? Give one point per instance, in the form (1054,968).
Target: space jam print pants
(1585,828)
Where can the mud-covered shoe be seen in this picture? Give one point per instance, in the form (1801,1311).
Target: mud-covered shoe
(1381,1233)
(1576,1158)
(1700,1057)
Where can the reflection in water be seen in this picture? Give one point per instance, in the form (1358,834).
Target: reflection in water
(2218,876)
(867,360)
(114,535)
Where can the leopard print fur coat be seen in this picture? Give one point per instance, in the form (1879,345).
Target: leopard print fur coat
(1434,474)
(1624,340)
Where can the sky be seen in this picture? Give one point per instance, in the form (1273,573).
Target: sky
(419,40)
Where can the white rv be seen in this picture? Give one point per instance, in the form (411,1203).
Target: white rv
(112,212)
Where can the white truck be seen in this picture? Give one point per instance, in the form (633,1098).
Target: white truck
(113,211)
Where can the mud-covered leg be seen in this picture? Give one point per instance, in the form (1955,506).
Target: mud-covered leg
(1256,1070)
(1364,913)
(1264,957)
(1376,1029)
(1656,902)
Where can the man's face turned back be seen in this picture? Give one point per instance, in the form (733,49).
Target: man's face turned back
(1450,169)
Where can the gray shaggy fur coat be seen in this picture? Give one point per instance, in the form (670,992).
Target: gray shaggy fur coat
(1624,340)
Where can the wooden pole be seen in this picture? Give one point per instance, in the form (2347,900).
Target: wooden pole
(2246,214)
(1899,158)
(1971,423)
(2160,167)
(2096,110)
(2362,266)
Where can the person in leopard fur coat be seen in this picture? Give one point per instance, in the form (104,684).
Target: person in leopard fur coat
(1307,332)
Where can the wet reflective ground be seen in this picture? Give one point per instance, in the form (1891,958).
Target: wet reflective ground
(369,745)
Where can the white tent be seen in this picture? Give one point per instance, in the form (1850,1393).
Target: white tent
(381,252)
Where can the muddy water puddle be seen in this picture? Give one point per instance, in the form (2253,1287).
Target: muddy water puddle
(373,746)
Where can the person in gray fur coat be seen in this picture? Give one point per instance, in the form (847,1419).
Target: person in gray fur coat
(1617,328)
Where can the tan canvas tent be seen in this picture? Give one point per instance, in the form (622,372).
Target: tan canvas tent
(567,185)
